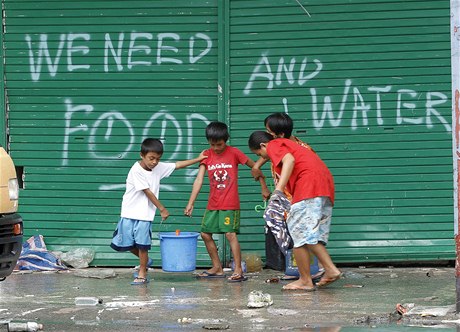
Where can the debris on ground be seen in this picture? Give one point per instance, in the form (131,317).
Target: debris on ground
(430,273)
(354,275)
(216,327)
(95,273)
(36,257)
(87,301)
(410,309)
(257,299)
(24,326)
(78,258)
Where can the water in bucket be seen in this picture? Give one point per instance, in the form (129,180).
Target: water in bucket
(178,251)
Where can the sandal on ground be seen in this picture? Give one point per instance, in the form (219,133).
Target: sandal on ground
(299,289)
(237,278)
(140,281)
(206,274)
(326,281)
(289,278)
(317,276)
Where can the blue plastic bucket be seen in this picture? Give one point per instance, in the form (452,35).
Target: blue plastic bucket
(178,252)
(291,265)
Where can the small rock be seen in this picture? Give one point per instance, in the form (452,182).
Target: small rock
(430,274)
(353,275)
(95,273)
(352,286)
(430,298)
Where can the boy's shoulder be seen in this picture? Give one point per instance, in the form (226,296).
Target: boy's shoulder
(134,166)
(234,149)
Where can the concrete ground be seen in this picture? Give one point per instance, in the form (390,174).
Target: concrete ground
(364,299)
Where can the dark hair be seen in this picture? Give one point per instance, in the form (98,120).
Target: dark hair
(216,131)
(258,137)
(151,145)
(280,123)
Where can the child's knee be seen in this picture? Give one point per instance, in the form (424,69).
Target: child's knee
(206,236)
(231,236)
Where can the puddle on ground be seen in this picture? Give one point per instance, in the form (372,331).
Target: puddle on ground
(385,328)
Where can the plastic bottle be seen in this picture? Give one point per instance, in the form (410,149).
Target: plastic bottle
(243,266)
(253,262)
(24,326)
(89,301)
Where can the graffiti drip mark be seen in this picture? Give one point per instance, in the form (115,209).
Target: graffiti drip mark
(285,106)
(109,128)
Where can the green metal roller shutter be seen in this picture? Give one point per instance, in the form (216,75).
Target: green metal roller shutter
(86,82)
(367,83)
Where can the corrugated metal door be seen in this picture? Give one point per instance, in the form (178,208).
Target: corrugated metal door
(86,82)
(367,83)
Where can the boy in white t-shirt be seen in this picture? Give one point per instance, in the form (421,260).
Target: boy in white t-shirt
(140,202)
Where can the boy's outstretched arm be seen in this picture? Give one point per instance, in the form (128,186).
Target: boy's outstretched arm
(185,163)
(255,170)
(197,184)
(152,198)
(261,178)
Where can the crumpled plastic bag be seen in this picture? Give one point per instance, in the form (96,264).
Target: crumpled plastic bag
(35,257)
(424,311)
(257,299)
(78,258)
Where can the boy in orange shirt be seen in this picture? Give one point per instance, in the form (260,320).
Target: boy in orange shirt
(311,184)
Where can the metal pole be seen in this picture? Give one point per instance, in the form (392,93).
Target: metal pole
(455,56)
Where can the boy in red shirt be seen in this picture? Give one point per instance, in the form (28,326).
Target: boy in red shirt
(222,213)
(310,182)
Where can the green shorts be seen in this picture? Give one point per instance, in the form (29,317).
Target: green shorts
(221,221)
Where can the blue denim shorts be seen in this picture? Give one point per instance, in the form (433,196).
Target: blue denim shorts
(131,233)
(309,221)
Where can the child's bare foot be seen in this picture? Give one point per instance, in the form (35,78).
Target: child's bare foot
(300,285)
(238,271)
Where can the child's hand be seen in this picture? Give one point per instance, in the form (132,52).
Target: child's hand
(257,174)
(265,193)
(202,156)
(188,210)
(164,214)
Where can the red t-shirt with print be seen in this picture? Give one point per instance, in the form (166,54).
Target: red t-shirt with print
(310,176)
(223,178)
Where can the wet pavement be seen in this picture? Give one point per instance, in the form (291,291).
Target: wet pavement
(365,299)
